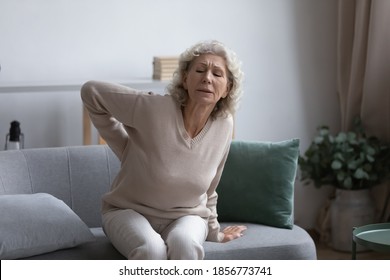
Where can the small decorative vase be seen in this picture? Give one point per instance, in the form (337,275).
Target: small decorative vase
(351,208)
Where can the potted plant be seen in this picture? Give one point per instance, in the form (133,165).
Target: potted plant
(352,162)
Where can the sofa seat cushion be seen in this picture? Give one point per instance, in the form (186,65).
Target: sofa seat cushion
(259,242)
(262,242)
(100,249)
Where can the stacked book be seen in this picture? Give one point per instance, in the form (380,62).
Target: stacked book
(164,67)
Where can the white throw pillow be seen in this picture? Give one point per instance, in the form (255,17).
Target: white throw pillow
(33,224)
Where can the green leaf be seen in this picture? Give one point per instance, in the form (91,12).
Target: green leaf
(370,151)
(318,139)
(336,165)
(370,158)
(351,137)
(323,131)
(339,156)
(341,137)
(361,174)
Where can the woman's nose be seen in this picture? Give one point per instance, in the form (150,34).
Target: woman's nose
(207,77)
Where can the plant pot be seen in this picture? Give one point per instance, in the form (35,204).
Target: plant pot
(351,208)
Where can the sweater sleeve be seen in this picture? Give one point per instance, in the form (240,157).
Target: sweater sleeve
(110,108)
(215,234)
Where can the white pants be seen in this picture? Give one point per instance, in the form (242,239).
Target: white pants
(147,238)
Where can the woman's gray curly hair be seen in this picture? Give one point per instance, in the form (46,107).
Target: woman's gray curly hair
(225,105)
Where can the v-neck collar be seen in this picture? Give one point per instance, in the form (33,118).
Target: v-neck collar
(191,142)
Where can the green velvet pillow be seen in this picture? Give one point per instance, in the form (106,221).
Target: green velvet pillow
(257,183)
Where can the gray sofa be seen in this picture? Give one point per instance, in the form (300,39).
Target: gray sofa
(80,175)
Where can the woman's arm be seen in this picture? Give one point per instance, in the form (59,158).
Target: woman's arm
(110,108)
(230,232)
(227,234)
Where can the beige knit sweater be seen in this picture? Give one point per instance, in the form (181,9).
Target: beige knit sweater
(164,173)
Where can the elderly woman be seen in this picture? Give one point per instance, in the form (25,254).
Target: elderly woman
(172,148)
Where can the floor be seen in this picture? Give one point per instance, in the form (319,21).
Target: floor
(325,252)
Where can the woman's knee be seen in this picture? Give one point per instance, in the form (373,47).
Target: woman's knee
(150,250)
(186,237)
(132,235)
(184,248)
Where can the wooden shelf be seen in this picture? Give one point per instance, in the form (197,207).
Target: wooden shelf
(139,83)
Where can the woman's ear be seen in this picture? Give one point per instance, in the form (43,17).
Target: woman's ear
(184,81)
(228,88)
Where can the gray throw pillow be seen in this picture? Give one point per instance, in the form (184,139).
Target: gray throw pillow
(33,224)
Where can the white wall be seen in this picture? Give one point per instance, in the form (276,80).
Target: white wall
(288,50)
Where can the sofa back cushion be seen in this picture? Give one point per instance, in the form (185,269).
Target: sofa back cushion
(78,175)
(258,179)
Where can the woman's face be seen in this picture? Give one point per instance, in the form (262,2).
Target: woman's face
(207,79)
